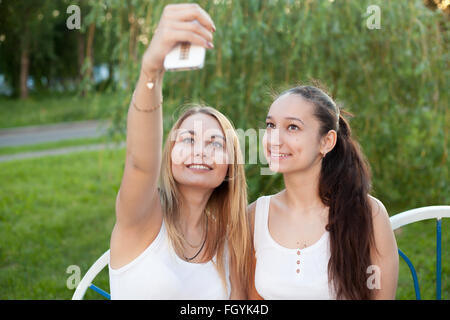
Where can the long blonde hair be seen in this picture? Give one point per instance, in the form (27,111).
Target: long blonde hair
(226,207)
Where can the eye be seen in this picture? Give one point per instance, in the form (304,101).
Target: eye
(293,127)
(217,144)
(270,125)
(188,140)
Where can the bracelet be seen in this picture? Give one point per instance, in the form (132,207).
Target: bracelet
(145,110)
(150,83)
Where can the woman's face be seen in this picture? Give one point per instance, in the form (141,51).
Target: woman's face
(291,141)
(199,155)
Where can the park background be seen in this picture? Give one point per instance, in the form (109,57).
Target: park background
(57,211)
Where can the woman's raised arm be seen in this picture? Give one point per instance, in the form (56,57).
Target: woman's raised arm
(138,190)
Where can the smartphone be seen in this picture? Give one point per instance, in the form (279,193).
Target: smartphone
(185,56)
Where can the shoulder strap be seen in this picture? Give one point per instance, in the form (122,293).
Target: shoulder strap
(261,214)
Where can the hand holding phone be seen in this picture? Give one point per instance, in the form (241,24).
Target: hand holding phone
(179,42)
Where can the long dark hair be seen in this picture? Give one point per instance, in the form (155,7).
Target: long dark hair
(344,186)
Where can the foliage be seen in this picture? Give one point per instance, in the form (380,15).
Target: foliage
(45,109)
(393,79)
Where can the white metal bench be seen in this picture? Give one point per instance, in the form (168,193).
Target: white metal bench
(397,221)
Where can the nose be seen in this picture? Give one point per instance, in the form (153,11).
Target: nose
(199,150)
(275,139)
(199,154)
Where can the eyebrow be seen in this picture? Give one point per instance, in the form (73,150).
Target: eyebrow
(289,118)
(212,136)
(217,136)
(187,131)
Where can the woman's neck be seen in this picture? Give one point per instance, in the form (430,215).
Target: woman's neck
(193,204)
(302,190)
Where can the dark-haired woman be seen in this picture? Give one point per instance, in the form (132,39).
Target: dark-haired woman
(324,236)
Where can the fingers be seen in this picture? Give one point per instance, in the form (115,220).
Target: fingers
(187,22)
(189,12)
(194,27)
(178,23)
(192,37)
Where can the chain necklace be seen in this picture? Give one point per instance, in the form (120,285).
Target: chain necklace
(191,245)
(184,238)
(206,233)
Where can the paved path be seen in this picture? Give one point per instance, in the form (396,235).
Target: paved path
(51,133)
(59,151)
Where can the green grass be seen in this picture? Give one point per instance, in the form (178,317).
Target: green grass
(55,212)
(47,109)
(418,242)
(59,211)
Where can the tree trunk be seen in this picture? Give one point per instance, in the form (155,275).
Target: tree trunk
(89,56)
(132,44)
(90,49)
(81,48)
(110,81)
(24,68)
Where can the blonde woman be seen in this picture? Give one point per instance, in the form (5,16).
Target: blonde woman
(188,238)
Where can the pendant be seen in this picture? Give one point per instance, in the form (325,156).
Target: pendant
(150,85)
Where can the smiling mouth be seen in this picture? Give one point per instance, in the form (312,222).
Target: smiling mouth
(279,155)
(196,166)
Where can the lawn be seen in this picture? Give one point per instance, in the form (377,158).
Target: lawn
(59,211)
(48,109)
(55,212)
(418,242)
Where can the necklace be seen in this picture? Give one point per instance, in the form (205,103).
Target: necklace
(191,245)
(206,233)
(304,246)
(298,245)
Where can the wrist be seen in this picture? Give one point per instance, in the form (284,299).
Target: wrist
(149,71)
(151,68)
(151,77)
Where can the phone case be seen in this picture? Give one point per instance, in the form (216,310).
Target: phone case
(185,56)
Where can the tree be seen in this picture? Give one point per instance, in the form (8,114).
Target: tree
(29,28)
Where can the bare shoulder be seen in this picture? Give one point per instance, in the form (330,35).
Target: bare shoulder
(384,235)
(378,209)
(384,253)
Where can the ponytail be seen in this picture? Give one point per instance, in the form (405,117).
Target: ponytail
(344,186)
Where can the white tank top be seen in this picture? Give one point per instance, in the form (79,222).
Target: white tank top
(158,273)
(284,273)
